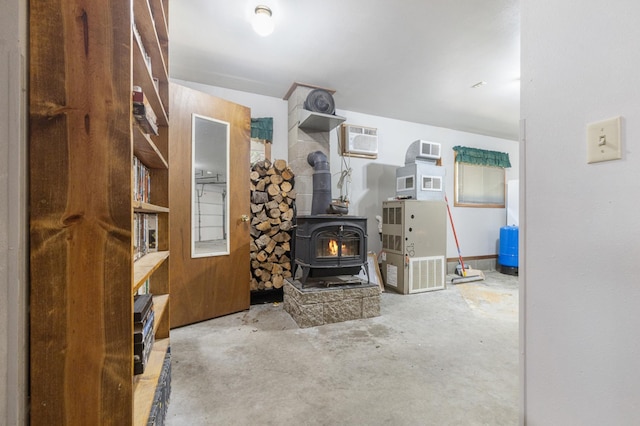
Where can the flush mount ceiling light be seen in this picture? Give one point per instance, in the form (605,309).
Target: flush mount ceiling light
(262,21)
(479,84)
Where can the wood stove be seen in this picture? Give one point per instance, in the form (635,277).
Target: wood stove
(330,245)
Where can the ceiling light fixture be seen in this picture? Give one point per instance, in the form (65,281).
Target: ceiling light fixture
(479,84)
(262,21)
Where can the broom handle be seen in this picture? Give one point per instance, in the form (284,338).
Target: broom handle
(455,236)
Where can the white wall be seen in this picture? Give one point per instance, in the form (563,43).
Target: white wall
(581,300)
(13,213)
(373,181)
(261,106)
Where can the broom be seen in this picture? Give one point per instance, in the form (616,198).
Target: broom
(467,274)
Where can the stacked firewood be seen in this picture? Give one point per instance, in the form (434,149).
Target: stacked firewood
(272,214)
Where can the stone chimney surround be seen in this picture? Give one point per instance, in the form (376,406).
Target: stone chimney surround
(308,132)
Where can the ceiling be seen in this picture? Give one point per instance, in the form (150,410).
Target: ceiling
(412,60)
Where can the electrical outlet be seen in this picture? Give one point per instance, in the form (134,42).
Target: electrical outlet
(603,141)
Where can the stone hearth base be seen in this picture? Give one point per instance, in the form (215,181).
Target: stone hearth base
(314,305)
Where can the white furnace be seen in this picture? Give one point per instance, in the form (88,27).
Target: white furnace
(414,244)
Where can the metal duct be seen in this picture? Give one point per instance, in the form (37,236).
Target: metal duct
(321,182)
(319,100)
(412,153)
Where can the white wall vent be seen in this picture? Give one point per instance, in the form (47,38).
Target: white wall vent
(430,150)
(426,274)
(359,141)
(405,183)
(431,183)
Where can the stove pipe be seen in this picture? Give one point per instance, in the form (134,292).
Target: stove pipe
(321,182)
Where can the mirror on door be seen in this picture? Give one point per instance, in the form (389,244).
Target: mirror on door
(209,187)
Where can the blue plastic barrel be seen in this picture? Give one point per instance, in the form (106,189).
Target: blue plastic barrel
(508,253)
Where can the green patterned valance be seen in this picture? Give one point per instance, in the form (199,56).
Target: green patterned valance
(481,157)
(262,128)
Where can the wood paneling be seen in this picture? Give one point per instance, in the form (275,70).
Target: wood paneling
(80,213)
(203,288)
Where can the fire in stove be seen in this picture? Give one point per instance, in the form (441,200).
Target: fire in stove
(333,249)
(330,245)
(344,245)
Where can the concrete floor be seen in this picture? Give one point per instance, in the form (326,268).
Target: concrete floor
(447,357)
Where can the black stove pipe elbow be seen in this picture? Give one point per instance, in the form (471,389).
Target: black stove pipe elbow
(321,182)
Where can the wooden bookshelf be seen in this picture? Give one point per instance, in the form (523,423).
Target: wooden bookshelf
(161,306)
(144,386)
(146,150)
(142,207)
(84,60)
(144,267)
(144,79)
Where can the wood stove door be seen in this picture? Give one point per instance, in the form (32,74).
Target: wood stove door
(207,287)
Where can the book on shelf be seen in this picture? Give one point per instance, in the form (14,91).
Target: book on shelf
(140,360)
(145,55)
(141,348)
(142,331)
(141,181)
(135,164)
(143,113)
(136,241)
(140,235)
(144,288)
(143,337)
(145,234)
(152,232)
(141,306)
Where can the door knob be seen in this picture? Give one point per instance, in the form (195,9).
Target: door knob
(244,218)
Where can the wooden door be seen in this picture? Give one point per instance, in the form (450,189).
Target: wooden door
(207,287)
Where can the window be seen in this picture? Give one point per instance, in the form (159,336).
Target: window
(260,150)
(479,178)
(479,186)
(261,137)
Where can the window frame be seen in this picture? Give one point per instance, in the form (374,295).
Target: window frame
(456,180)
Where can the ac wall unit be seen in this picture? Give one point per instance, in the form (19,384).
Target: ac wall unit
(430,150)
(359,141)
(432,183)
(405,183)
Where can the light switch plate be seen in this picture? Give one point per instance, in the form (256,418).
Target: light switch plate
(603,140)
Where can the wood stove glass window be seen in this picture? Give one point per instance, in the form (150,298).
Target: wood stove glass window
(337,244)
